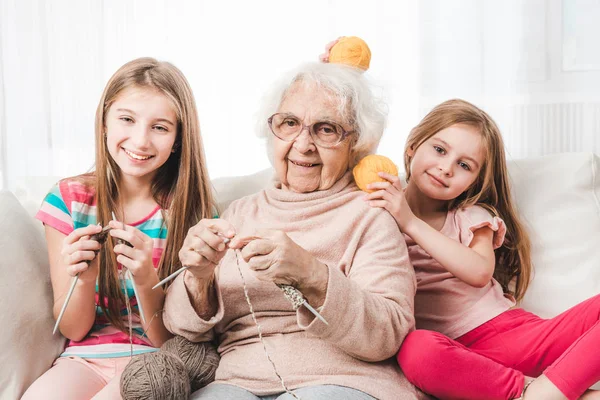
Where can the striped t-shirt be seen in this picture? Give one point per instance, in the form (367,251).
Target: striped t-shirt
(71,205)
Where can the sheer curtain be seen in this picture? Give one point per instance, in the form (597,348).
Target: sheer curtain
(504,55)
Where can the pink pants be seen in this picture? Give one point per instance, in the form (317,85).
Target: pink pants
(74,378)
(490,361)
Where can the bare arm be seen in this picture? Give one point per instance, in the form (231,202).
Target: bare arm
(473,265)
(203,297)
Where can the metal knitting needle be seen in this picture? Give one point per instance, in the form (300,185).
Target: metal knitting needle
(129,275)
(179,271)
(315,312)
(64,306)
(135,292)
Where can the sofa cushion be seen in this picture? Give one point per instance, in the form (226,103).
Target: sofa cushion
(230,188)
(558,195)
(28,346)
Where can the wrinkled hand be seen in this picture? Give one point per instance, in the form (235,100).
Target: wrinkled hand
(78,253)
(204,247)
(137,258)
(389,195)
(274,257)
(325,56)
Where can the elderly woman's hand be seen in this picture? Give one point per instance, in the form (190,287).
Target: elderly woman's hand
(274,257)
(204,246)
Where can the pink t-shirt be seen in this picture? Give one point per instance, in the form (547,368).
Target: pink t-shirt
(444,303)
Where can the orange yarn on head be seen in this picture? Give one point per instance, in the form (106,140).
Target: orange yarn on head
(351,50)
(366,170)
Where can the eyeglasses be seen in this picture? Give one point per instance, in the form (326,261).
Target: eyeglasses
(288,127)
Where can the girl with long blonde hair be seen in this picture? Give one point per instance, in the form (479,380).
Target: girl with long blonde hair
(472,258)
(151,175)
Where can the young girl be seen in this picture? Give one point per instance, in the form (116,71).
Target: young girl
(456,209)
(150,173)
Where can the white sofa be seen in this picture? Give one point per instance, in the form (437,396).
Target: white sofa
(557,194)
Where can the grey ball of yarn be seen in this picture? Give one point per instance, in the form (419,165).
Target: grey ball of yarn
(155,376)
(201,359)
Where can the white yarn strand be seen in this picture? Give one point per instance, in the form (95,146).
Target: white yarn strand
(259,328)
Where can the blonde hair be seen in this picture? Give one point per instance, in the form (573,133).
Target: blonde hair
(181,185)
(490,190)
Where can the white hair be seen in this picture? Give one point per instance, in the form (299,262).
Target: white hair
(357,104)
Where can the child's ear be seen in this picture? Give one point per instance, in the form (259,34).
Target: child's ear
(410,151)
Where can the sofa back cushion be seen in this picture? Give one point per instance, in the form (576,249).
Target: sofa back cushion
(558,195)
(28,346)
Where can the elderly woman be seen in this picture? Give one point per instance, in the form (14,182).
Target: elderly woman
(312,230)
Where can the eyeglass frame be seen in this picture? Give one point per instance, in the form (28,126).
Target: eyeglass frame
(343,137)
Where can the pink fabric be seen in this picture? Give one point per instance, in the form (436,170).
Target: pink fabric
(74,378)
(72,190)
(60,222)
(444,303)
(368,304)
(490,362)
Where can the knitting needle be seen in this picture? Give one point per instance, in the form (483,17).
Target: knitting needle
(64,306)
(129,275)
(315,312)
(179,271)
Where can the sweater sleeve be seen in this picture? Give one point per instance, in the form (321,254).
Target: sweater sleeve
(370,308)
(180,317)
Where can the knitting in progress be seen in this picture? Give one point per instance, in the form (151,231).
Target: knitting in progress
(181,367)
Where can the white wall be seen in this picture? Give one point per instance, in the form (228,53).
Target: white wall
(504,55)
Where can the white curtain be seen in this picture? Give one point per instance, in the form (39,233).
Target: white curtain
(506,56)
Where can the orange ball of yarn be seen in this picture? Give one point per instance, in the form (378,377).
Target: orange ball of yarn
(366,170)
(351,50)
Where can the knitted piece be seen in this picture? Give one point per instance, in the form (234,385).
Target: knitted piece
(293,295)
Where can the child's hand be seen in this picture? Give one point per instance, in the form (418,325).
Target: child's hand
(79,253)
(325,56)
(389,195)
(137,258)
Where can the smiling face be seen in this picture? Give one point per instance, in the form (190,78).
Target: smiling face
(301,165)
(141,128)
(448,163)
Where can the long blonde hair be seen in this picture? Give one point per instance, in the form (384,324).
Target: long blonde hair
(181,185)
(490,190)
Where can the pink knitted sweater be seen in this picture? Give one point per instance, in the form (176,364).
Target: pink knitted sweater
(369,301)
